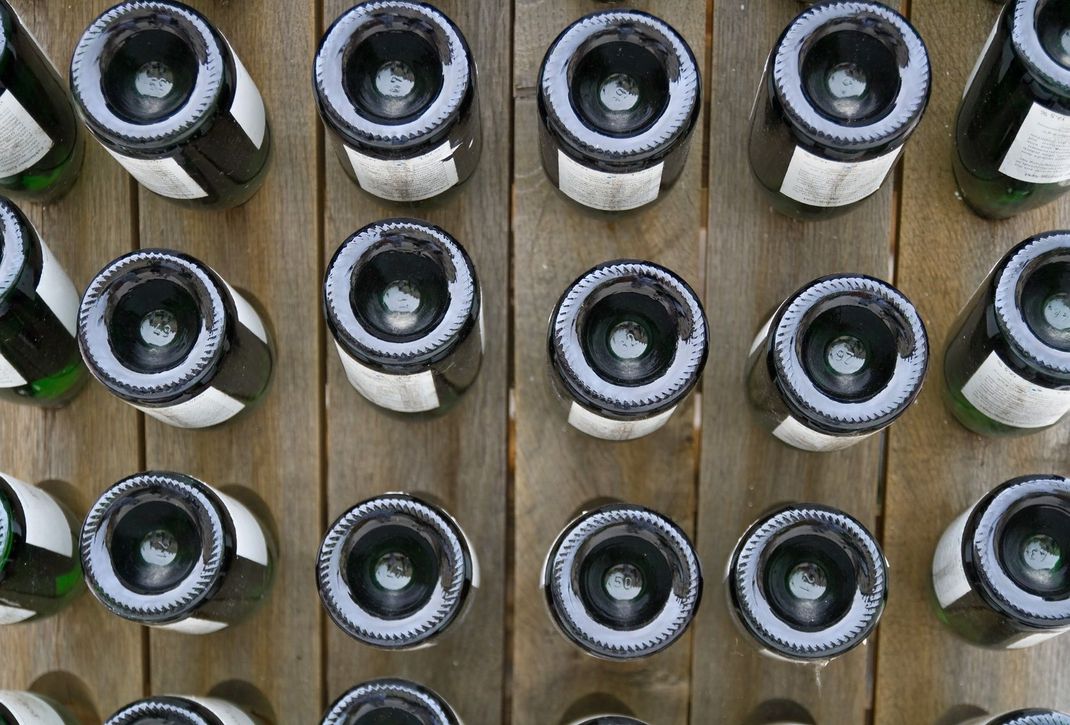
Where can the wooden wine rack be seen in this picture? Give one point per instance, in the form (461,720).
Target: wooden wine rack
(504,461)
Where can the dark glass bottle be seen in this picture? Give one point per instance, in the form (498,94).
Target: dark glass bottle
(839,360)
(390,700)
(39,569)
(599,709)
(162,331)
(403,304)
(1030,716)
(627,342)
(395,572)
(619,95)
(779,712)
(1012,134)
(167,550)
(395,85)
(1001,574)
(29,708)
(807,583)
(1007,364)
(166,95)
(183,710)
(41,143)
(39,360)
(622,581)
(845,86)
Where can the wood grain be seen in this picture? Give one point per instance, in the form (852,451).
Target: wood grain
(558,468)
(936,467)
(92,442)
(460,457)
(757,258)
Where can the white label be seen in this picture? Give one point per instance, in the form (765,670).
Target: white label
(164,176)
(949,577)
(247,314)
(614,430)
(14,615)
(225,712)
(406,179)
(605,191)
(248,536)
(1031,640)
(248,106)
(22,141)
(46,526)
(799,435)
(1004,396)
(402,393)
(759,340)
(1040,152)
(193,625)
(29,709)
(816,181)
(9,376)
(58,292)
(209,407)
(981,57)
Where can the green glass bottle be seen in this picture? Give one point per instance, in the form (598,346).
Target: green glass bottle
(29,708)
(39,359)
(41,142)
(184,710)
(39,568)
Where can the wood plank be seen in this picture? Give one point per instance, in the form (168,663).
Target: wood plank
(756,259)
(558,468)
(268,247)
(93,442)
(935,465)
(459,458)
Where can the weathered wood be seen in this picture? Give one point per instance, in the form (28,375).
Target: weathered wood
(460,457)
(936,467)
(757,258)
(558,468)
(92,442)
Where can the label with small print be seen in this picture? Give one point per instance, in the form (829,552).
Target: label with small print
(225,712)
(9,376)
(249,538)
(813,180)
(193,625)
(209,407)
(46,526)
(605,191)
(1040,152)
(1004,396)
(981,57)
(402,393)
(29,709)
(57,291)
(247,314)
(614,430)
(412,179)
(949,576)
(164,176)
(14,615)
(22,140)
(797,434)
(248,105)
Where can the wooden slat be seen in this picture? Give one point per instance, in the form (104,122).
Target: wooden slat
(268,247)
(936,467)
(94,441)
(558,469)
(459,458)
(756,259)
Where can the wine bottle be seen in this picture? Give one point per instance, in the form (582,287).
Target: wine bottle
(1007,364)
(390,700)
(39,360)
(39,569)
(839,360)
(1030,716)
(396,571)
(162,331)
(167,550)
(1000,570)
(779,712)
(599,709)
(807,583)
(41,142)
(403,304)
(845,87)
(395,84)
(183,710)
(627,342)
(1012,132)
(165,94)
(29,708)
(619,95)
(622,581)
